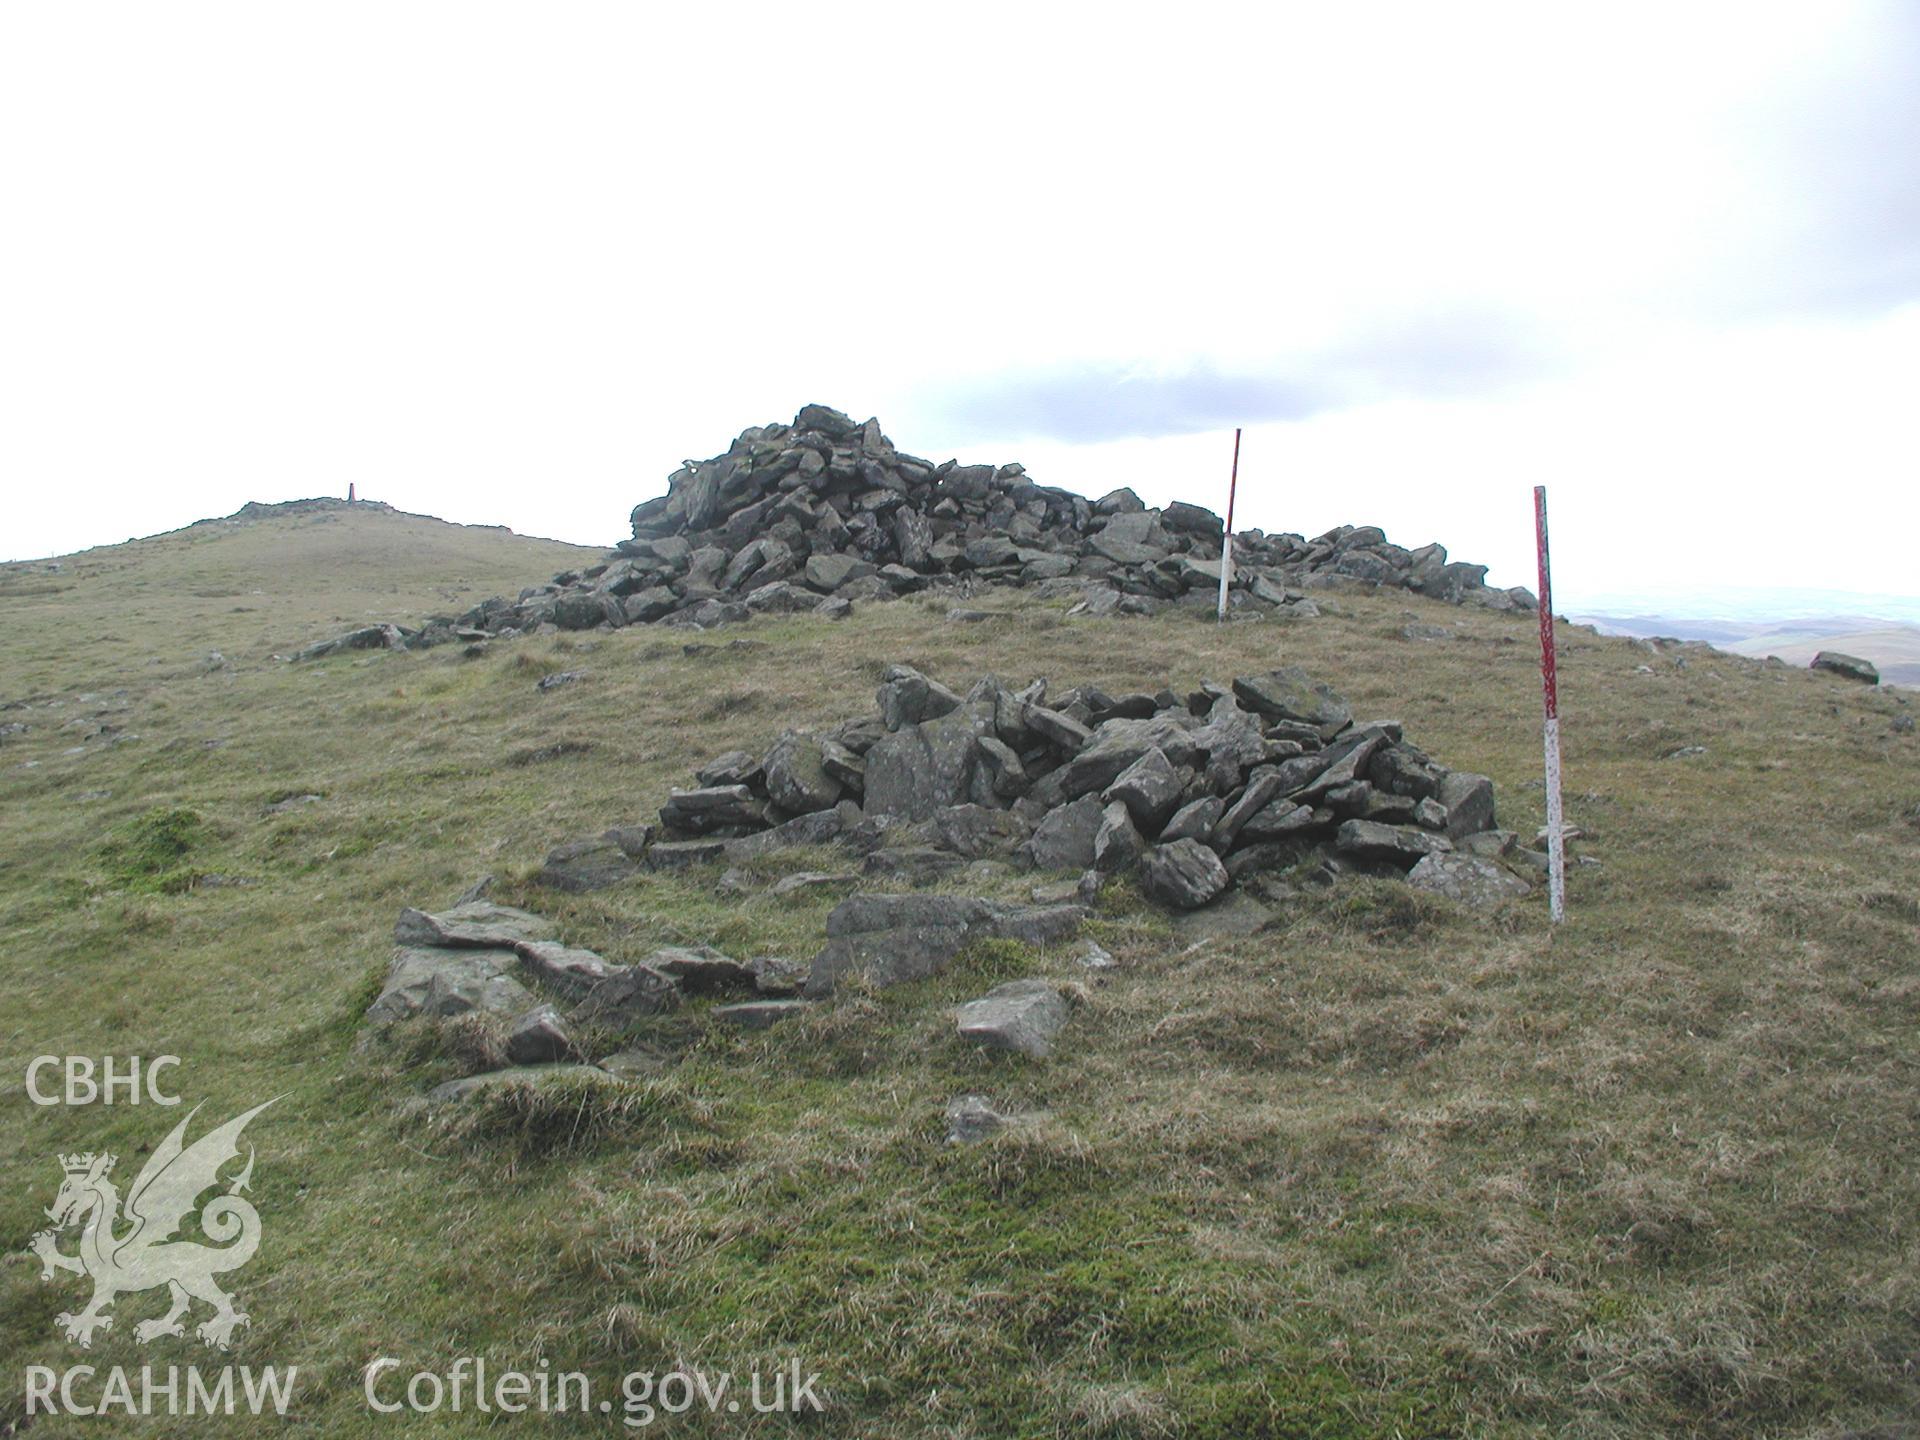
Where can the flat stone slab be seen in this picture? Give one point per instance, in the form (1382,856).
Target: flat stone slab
(760,1014)
(814,829)
(565,967)
(1477,883)
(583,865)
(477,922)
(812,880)
(896,938)
(1232,916)
(971,1118)
(636,1062)
(701,969)
(1023,1016)
(1396,844)
(468,1086)
(679,854)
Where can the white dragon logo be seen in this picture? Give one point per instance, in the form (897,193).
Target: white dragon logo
(139,1256)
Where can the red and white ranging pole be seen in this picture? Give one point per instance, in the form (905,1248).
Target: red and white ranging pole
(1550,687)
(1226,540)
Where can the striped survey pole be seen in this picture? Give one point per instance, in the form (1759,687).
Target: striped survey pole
(1226,538)
(1550,687)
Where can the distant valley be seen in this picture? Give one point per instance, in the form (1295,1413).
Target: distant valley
(1892,644)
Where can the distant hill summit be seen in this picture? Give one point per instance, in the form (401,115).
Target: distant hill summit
(827,512)
(276,509)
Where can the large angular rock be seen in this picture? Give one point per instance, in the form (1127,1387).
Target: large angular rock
(1339,765)
(891,939)
(1060,730)
(537,1037)
(1005,773)
(906,697)
(1195,820)
(1260,792)
(1289,693)
(1202,575)
(924,767)
(1193,520)
(1234,743)
(1279,820)
(1150,788)
(1122,551)
(1064,840)
(1401,769)
(844,765)
(367,637)
(796,774)
(834,424)
(830,572)
(913,538)
(1851,667)
(990,551)
(1396,844)
(1182,873)
(445,982)
(736,767)
(1117,844)
(781,597)
(1477,883)
(655,602)
(1116,745)
(1022,1015)
(625,997)
(1468,801)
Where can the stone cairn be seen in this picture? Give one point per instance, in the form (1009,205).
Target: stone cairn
(825,512)
(1193,795)
(1194,792)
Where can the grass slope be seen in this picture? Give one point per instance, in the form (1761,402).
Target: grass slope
(1391,1170)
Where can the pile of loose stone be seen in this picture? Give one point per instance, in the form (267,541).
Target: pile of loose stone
(825,512)
(1191,794)
(479,958)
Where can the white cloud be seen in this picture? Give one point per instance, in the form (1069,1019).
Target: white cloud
(511,264)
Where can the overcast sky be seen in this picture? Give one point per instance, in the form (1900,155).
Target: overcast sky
(511,264)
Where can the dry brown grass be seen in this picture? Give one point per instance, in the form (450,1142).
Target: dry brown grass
(1387,1169)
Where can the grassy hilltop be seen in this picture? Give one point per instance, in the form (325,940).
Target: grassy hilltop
(1390,1169)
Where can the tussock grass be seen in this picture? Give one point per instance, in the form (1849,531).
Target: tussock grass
(1383,1169)
(150,852)
(569,1114)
